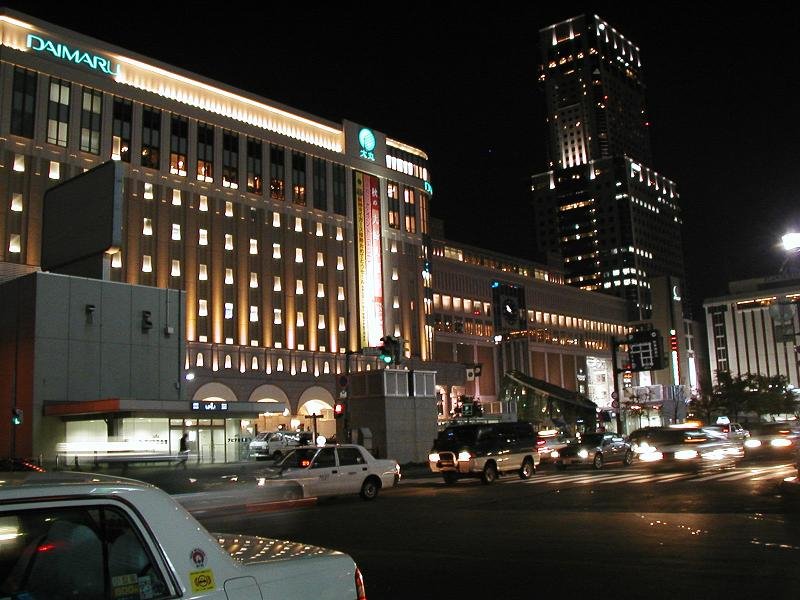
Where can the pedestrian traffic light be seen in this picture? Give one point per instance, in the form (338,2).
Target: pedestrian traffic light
(16,416)
(339,409)
(391,350)
(387,350)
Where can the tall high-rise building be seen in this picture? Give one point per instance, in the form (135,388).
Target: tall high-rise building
(612,217)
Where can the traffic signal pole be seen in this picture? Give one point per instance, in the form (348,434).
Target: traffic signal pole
(616,397)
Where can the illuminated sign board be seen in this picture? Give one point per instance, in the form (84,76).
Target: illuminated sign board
(209,406)
(370,266)
(75,55)
(428,187)
(367,141)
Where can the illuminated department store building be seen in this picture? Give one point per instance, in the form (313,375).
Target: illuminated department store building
(295,239)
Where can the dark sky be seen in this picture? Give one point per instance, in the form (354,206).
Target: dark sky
(461,84)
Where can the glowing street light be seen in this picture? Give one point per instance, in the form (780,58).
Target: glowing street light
(791,241)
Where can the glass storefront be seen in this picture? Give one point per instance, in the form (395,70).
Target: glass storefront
(211,440)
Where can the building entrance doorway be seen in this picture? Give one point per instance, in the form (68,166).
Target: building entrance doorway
(206,439)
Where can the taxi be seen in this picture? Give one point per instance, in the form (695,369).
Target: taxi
(76,535)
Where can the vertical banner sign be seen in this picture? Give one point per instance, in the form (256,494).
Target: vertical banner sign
(370,267)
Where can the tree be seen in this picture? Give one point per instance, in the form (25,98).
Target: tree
(705,406)
(756,393)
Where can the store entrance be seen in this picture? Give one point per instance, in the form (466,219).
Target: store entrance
(206,439)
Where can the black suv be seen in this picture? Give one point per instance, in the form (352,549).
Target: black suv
(485,450)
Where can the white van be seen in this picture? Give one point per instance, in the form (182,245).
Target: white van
(275,444)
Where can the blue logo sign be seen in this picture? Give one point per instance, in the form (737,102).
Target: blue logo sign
(79,57)
(367,141)
(428,187)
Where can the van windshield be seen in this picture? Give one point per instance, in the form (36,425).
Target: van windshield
(461,436)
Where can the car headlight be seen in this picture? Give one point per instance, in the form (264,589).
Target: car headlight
(554,454)
(685,454)
(433,457)
(464,456)
(583,453)
(642,448)
(752,443)
(780,443)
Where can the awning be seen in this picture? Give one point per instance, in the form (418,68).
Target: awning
(548,389)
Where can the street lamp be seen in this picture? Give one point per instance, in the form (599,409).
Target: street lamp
(791,241)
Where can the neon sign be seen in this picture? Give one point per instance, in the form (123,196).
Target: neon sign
(367,141)
(79,57)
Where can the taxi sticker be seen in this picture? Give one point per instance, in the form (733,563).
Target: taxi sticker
(202,581)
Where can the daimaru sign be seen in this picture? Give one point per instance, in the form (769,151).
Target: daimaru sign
(79,57)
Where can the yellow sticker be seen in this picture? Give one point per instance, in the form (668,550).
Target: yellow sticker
(202,581)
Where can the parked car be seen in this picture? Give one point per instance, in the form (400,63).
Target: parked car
(485,450)
(276,444)
(76,535)
(683,447)
(772,439)
(334,470)
(596,449)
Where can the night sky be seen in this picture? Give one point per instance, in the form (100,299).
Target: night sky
(461,84)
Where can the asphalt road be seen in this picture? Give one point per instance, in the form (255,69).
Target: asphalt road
(616,533)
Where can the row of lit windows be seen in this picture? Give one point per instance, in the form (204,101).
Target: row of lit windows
(456,304)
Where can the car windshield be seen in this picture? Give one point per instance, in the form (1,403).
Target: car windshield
(461,436)
(773,429)
(593,439)
(260,437)
(298,459)
(675,436)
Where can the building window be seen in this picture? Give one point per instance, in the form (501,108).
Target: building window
(423,213)
(147,226)
(228,276)
(122,118)
(151,137)
(410,210)
(147,264)
(254,166)
(253,246)
(202,239)
(228,241)
(320,187)
(23,102)
(176,232)
(339,190)
(229,310)
(178,145)
(393,191)
(91,118)
(14,245)
(299,178)
(202,307)
(16,202)
(205,152)
(58,112)
(230,160)
(55,170)
(202,272)
(176,268)
(276,173)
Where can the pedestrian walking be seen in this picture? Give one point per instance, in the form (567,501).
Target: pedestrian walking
(184,450)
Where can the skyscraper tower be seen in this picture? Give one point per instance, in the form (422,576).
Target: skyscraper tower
(611,216)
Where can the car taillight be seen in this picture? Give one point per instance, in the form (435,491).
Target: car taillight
(361,593)
(540,442)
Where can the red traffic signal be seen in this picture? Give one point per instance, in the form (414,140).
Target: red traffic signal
(338,410)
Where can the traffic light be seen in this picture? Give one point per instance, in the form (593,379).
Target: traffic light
(391,350)
(339,409)
(16,416)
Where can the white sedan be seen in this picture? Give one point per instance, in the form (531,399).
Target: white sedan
(75,535)
(334,471)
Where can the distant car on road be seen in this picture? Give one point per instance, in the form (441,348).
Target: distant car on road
(76,535)
(334,470)
(485,451)
(683,447)
(276,444)
(773,439)
(596,449)
(549,441)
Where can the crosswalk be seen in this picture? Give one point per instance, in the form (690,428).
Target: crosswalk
(577,478)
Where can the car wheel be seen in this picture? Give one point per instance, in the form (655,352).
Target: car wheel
(450,478)
(292,494)
(628,460)
(370,488)
(527,469)
(598,461)
(489,473)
